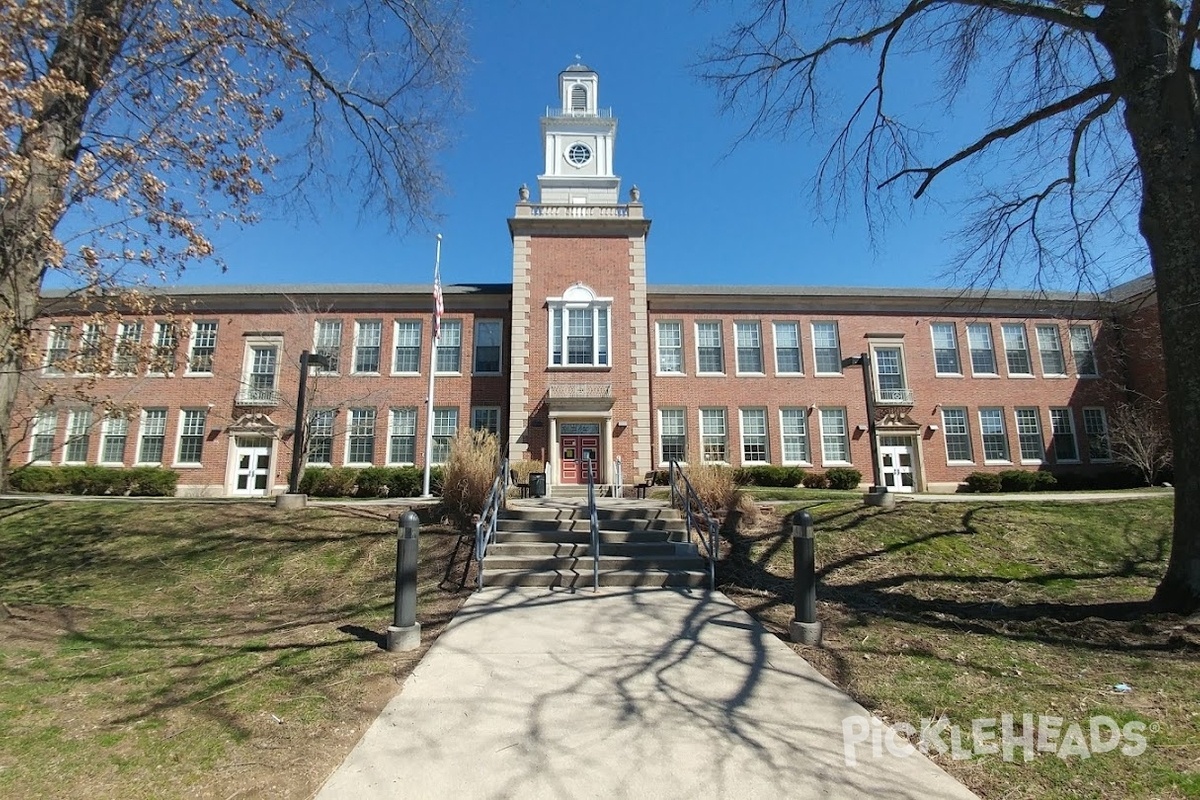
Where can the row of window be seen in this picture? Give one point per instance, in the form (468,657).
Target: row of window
(833,436)
(62,355)
(151,439)
(749,359)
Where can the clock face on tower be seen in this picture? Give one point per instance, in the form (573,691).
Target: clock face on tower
(579,154)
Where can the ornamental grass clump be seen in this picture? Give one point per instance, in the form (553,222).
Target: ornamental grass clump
(469,472)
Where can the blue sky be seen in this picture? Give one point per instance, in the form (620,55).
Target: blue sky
(721,213)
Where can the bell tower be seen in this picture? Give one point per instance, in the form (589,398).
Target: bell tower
(578,138)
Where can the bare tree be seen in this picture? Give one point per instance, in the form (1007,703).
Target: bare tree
(1095,115)
(1139,439)
(130,128)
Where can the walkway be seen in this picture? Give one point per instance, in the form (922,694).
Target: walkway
(624,694)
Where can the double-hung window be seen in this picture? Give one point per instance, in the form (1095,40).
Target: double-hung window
(580,329)
(983,355)
(449,350)
(793,424)
(945,349)
(748,339)
(45,425)
(360,436)
(995,439)
(79,424)
(58,350)
(672,435)
(320,436)
(166,341)
(368,335)
(670,348)
(1062,434)
(402,436)
(835,439)
(90,348)
(486,418)
(260,375)
(153,436)
(957,434)
(203,347)
(710,354)
(754,436)
(327,342)
(129,340)
(407,356)
(1095,429)
(1029,434)
(445,428)
(1082,352)
(1050,350)
(787,349)
(113,436)
(1016,350)
(487,346)
(827,348)
(713,443)
(889,375)
(191,436)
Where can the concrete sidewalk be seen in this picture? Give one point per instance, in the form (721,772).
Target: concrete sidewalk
(637,694)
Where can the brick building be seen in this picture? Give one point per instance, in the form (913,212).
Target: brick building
(579,361)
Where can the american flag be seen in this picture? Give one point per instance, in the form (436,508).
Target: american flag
(438,307)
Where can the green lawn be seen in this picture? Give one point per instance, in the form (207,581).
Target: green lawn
(977,610)
(192,649)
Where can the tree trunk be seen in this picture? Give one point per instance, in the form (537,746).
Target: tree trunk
(1159,90)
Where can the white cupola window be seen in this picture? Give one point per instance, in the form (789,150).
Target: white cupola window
(580,328)
(579,102)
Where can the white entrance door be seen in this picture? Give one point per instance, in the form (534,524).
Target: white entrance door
(253,466)
(896,464)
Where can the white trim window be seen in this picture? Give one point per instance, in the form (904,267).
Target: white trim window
(488,335)
(360,437)
(486,418)
(710,351)
(445,428)
(945,348)
(79,424)
(406,356)
(1029,435)
(1016,349)
(835,438)
(1050,350)
(41,436)
(262,368)
(129,340)
(672,435)
(202,348)
(320,437)
(449,347)
(670,348)
(327,342)
(402,436)
(995,437)
(192,427)
(1095,430)
(1062,436)
(368,336)
(957,433)
(827,348)
(983,354)
(713,442)
(788,358)
(888,363)
(90,349)
(754,436)
(114,435)
(793,429)
(1083,353)
(580,328)
(58,350)
(152,436)
(164,349)
(747,338)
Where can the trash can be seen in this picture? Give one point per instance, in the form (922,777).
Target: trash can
(537,484)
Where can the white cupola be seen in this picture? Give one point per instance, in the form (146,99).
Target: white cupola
(578,136)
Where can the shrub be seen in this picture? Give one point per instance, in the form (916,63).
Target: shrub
(469,472)
(1017,480)
(373,482)
(152,482)
(986,482)
(769,475)
(714,486)
(406,481)
(1044,481)
(91,480)
(38,480)
(328,482)
(843,478)
(815,480)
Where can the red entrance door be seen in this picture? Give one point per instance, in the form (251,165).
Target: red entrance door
(576,453)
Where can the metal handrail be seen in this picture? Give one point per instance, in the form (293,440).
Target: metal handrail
(691,506)
(485,526)
(595,526)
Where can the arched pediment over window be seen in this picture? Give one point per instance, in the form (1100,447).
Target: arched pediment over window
(580,328)
(579,293)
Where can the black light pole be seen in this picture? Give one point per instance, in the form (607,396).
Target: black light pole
(864,361)
(306,359)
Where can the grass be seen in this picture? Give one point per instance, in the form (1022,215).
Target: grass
(977,610)
(191,649)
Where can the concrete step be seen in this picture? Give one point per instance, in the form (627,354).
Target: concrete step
(581,550)
(608,524)
(585,536)
(582,579)
(670,563)
(581,512)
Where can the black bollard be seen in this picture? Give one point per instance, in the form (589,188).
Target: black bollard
(405,632)
(805,627)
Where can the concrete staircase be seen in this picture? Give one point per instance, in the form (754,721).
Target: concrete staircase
(548,546)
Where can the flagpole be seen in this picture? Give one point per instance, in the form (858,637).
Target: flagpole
(437,335)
